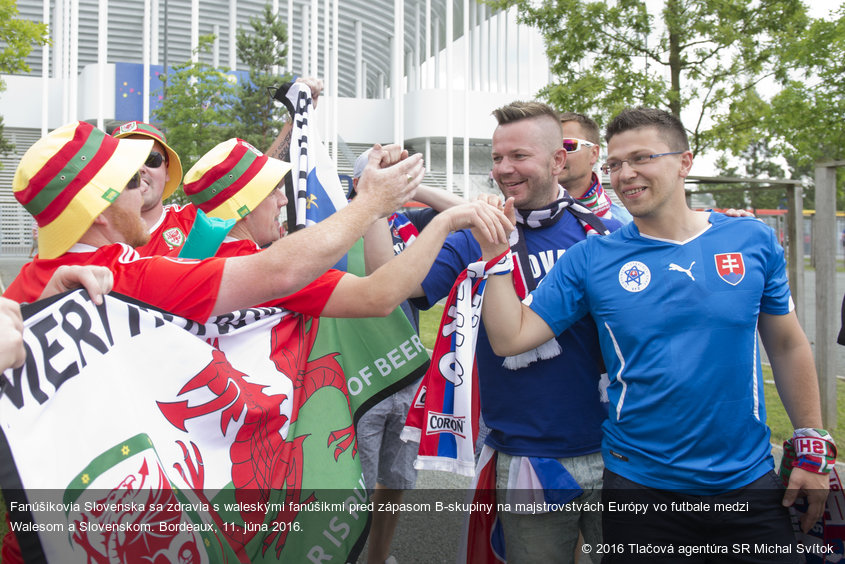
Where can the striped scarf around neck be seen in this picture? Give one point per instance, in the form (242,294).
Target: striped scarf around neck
(596,199)
(523,279)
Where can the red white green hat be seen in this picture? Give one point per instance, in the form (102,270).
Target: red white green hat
(231,179)
(69,176)
(174,164)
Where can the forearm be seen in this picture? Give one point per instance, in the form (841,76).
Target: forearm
(436,198)
(280,148)
(512,327)
(378,246)
(797,384)
(294,261)
(388,286)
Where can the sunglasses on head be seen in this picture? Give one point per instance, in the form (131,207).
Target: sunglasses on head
(134,182)
(154,160)
(572,145)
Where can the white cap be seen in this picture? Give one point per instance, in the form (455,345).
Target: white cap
(360,163)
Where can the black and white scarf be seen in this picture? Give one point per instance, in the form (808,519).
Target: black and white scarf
(524,281)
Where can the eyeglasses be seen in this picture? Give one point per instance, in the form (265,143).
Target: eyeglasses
(573,145)
(154,160)
(640,160)
(134,182)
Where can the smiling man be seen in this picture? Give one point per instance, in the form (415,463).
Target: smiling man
(547,410)
(582,144)
(161,174)
(678,297)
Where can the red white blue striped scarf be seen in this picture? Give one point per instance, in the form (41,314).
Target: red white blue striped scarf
(401,225)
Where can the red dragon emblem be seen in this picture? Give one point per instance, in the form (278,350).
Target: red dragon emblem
(262,460)
(146,543)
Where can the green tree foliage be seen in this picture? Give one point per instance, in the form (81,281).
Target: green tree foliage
(17,37)
(809,112)
(757,161)
(257,119)
(196,113)
(609,54)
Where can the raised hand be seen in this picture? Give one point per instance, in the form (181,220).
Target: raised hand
(389,181)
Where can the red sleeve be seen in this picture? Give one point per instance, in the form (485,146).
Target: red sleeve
(30,282)
(188,288)
(312,299)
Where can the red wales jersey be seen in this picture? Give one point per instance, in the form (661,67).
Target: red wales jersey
(309,301)
(187,288)
(171,230)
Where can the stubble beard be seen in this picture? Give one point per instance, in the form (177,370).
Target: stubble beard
(131,227)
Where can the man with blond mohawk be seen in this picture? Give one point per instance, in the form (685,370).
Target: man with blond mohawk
(161,175)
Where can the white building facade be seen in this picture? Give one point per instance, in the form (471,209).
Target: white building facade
(433,91)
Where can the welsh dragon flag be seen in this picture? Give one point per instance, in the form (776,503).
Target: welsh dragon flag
(133,435)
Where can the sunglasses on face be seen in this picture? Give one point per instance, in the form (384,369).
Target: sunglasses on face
(134,182)
(573,145)
(155,160)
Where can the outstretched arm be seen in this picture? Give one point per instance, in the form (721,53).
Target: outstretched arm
(795,377)
(378,242)
(298,259)
(382,291)
(437,198)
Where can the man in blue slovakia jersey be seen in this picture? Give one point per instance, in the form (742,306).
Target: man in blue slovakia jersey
(678,297)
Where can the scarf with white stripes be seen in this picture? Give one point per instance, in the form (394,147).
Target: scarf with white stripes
(523,279)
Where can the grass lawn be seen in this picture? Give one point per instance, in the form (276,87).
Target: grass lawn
(429,323)
(779,422)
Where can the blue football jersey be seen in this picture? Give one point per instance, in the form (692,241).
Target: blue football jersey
(677,324)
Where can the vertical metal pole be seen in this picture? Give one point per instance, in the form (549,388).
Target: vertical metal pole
(359,59)
(164,63)
(398,72)
(45,69)
(102,59)
(795,248)
(314,63)
(154,32)
(467,86)
(450,103)
(827,304)
(427,82)
(290,37)
(73,102)
(145,59)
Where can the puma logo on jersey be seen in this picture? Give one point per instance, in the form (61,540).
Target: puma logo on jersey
(687,271)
